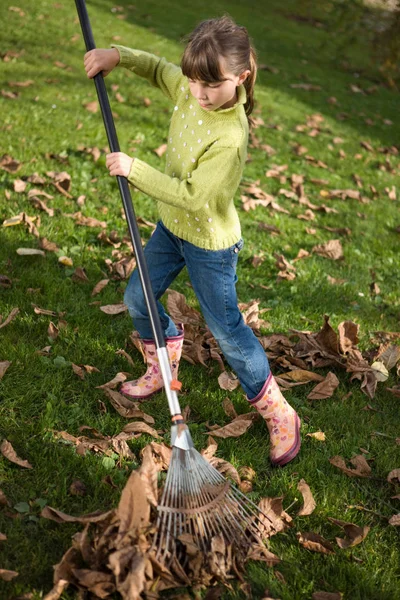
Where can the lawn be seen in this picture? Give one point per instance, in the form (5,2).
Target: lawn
(322,115)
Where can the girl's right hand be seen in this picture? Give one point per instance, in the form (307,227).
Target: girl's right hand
(100,60)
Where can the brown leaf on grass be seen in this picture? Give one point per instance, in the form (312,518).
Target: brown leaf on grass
(41,205)
(394,476)
(273,519)
(79,275)
(354,534)
(5,283)
(77,488)
(84,443)
(309,503)
(362,468)
(7,575)
(315,542)
(228,381)
(139,427)
(126,408)
(52,331)
(10,317)
(332,249)
(19,186)
(8,452)
(99,286)
(395,520)
(161,150)
(327,596)
(114,382)
(9,164)
(348,335)
(60,517)
(302,376)
(4,364)
(89,222)
(114,309)
(309,87)
(324,389)
(235,428)
(229,409)
(92,107)
(45,244)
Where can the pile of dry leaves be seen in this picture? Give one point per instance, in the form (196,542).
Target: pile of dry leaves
(114,551)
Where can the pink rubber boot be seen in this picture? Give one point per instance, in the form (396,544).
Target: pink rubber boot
(152,382)
(282,421)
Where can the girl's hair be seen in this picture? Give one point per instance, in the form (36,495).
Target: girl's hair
(220,38)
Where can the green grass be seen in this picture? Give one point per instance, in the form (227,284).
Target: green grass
(38,395)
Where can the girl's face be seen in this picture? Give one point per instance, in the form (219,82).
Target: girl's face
(221,94)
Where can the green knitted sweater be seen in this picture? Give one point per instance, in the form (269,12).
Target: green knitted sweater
(205,156)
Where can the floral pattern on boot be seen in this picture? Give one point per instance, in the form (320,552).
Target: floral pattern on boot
(282,421)
(152,382)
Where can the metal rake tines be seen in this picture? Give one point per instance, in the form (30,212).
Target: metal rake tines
(197,500)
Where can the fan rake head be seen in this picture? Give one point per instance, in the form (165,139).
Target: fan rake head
(197,500)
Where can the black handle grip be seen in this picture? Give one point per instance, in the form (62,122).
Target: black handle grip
(122,183)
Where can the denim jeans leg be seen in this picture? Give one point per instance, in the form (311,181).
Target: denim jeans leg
(164,262)
(213,276)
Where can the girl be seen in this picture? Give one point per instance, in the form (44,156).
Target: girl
(212,94)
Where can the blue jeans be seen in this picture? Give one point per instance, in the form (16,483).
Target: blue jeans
(213,277)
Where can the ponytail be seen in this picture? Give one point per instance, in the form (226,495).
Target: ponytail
(249,83)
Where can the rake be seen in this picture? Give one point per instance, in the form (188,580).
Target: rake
(196,500)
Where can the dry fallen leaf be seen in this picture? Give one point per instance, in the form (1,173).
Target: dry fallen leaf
(362,468)
(115,381)
(10,317)
(8,452)
(161,150)
(99,286)
(315,542)
(309,502)
(332,249)
(4,364)
(394,476)
(395,520)
(228,381)
(354,534)
(236,428)
(7,575)
(324,389)
(114,309)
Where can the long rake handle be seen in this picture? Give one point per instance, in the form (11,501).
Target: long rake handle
(130,217)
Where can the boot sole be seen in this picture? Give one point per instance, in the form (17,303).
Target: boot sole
(294,450)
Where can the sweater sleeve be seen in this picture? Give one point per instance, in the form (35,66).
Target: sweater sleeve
(218,173)
(156,70)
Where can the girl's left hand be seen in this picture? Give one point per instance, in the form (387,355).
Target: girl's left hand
(119,163)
